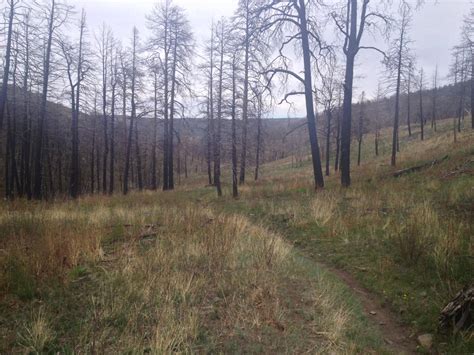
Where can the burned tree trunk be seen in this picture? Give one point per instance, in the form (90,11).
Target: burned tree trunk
(458,314)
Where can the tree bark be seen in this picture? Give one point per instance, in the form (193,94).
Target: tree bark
(308,88)
(38,181)
(6,69)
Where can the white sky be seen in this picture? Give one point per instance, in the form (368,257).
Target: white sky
(435,30)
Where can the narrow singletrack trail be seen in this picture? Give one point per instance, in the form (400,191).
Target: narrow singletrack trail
(396,335)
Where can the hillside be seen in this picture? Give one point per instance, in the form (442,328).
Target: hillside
(281,269)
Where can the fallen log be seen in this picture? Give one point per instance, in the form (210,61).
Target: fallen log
(418,167)
(458,314)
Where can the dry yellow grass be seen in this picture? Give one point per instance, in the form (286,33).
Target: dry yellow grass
(163,276)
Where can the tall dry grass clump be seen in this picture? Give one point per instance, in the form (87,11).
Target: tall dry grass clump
(41,243)
(140,275)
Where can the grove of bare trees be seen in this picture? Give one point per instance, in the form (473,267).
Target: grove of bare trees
(83,112)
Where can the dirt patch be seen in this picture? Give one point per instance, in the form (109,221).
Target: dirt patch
(398,337)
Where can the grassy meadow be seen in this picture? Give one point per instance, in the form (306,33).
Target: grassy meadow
(186,272)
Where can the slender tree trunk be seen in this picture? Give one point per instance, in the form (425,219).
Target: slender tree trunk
(338,135)
(25,171)
(171,122)
(132,116)
(408,104)
(346,123)
(259,143)
(92,166)
(310,114)
(112,137)
(395,141)
(328,140)
(210,134)
(154,184)
(217,143)
(434,98)
(245,99)
(166,145)
(472,87)
(235,191)
(6,69)
(422,123)
(105,120)
(138,159)
(38,181)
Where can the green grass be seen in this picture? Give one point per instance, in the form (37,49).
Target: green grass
(185,271)
(408,239)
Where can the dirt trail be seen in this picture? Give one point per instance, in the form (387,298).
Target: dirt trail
(396,336)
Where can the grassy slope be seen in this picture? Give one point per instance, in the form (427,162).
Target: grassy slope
(218,274)
(156,272)
(408,239)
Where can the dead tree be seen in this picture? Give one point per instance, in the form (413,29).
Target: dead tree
(114,77)
(12,4)
(338,128)
(171,36)
(434,97)
(352,26)
(277,15)
(56,14)
(360,128)
(155,72)
(330,86)
(398,64)
(221,39)
(133,78)
(409,78)
(259,136)
(25,163)
(76,69)
(235,191)
(104,43)
(421,84)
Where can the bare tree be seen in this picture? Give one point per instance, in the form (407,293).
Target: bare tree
(133,78)
(421,85)
(330,87)
(12,5)
(114,77)
(56,15)
(278,16)
(398,65)
(172,37)
(221,41)
(360,128)
(353,26)
(76,69)
(434,97)
(235,191)
(408,87)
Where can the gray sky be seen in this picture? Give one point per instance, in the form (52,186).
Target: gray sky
(435,30)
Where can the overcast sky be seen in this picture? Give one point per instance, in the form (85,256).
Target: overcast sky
(435,31)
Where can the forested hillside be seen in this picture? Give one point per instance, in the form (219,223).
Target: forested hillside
(240,176)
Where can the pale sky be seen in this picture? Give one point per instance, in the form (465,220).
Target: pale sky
(435,30)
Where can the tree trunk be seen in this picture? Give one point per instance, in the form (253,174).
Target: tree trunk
(38,181)
(308,86)
(328,140)
(138,158)
(245,99)
(154,184)
(346,123)
(6,69)
(338,137)
(235,192)
(393,160)
(259,139)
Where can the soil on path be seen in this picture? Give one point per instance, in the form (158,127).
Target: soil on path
(396,335)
